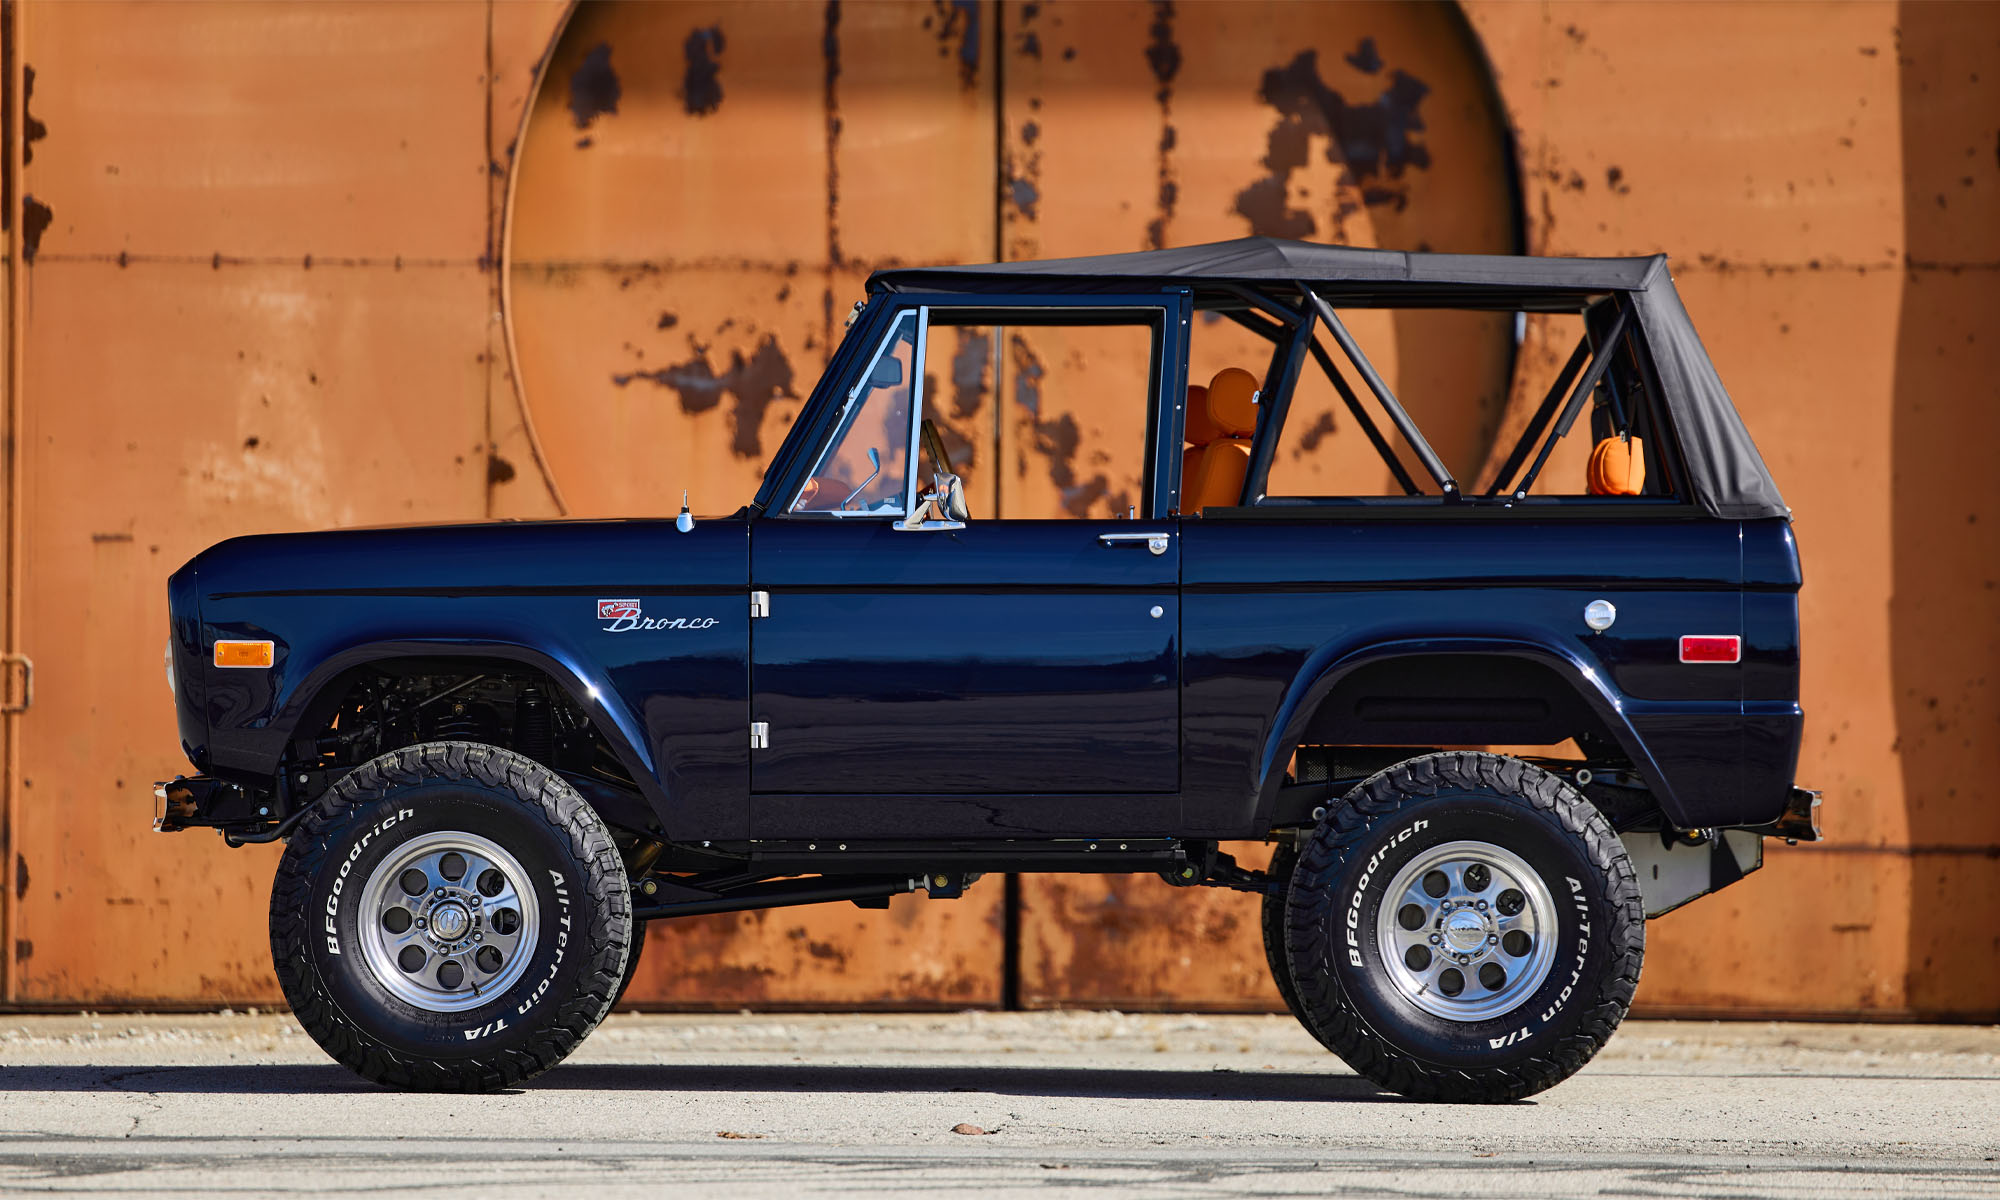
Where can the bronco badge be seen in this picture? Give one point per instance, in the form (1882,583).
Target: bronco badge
(624,615)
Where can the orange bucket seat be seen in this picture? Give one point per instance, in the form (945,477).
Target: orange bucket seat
(1220,421)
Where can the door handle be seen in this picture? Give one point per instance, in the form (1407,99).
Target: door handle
(1155,542)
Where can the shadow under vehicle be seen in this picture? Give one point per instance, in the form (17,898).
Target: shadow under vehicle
(495,751)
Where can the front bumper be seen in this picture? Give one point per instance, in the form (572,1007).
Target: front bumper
(187,801)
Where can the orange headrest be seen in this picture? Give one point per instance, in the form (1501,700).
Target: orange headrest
(1617,468)
(1232,401)
(1201,429)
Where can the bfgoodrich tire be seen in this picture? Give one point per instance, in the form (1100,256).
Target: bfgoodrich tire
(1464,927)
(1283,861)
(450,917)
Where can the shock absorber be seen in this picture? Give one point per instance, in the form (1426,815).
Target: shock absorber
(534,728)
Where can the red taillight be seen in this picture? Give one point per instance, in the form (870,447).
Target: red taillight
(1711,648)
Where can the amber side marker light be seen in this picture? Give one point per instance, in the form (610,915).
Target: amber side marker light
(243,654)
(1711,648)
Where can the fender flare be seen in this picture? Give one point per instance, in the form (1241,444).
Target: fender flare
(1332,663)
(601,704)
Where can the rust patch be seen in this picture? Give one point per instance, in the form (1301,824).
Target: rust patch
(701,84)
(968,371)
(667,321)
(1373,143)
(1365,59)
(753,383)
(35,218)
(498,470)
(593,88)
(1314,434)
(1021,172)
(23,949)
(32,130)
(955,23)
(20,876)
(1163,55)
(829,52)
(1021,191)
(1058,439)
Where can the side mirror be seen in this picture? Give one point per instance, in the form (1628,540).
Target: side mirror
(887,372)
(951,497)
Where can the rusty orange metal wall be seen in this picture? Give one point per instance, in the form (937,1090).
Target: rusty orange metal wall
(1828,180)
(256,291)
(288,270)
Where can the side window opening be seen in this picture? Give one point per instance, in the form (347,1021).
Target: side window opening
(1045,413)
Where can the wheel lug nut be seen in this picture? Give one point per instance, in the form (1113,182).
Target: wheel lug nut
(1482,906)
(1492,939)
(475,902)
(478,936)
(1435,939)
(440,893)
(422,924)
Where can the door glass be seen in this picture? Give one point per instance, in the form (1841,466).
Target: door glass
(866,465)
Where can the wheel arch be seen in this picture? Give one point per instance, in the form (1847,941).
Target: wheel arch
(311,702)
(1333,674)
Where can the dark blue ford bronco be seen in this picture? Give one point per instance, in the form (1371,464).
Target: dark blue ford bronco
(495,751)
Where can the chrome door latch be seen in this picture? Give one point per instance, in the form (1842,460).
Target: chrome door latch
(760,735)
(1154,542)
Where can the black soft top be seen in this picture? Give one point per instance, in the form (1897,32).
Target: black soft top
(1726,474)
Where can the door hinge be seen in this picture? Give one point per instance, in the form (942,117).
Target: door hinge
(760,735)
(760,604)
(27,699)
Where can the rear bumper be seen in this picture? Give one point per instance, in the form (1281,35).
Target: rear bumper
(1800,820)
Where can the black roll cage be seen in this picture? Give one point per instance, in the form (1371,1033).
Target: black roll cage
(1289,316)
(1293,334)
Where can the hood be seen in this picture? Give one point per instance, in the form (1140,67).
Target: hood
(488,558)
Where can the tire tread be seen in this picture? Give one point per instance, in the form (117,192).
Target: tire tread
(1324,1006)
(606,903)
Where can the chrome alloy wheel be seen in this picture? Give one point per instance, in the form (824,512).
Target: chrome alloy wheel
(448,921)
(1467,931)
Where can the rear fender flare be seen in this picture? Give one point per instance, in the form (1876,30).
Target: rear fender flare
(1334,662)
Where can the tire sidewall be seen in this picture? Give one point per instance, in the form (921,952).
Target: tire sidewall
(372,833)
(1352,960)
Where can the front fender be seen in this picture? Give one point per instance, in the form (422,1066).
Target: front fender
(1333,662)
(586,685)
(257,748)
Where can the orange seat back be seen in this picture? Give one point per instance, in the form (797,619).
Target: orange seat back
(1214,467)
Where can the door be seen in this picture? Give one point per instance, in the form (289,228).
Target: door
(1015,663)
(957,675)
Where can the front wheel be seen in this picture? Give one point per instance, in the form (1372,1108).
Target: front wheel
(1464,927)
(450,917)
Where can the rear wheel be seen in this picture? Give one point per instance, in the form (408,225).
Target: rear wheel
(450,917)
(631,963)
(1464,927)
(1283,860)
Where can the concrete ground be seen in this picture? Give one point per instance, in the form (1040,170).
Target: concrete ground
(1018,1104)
